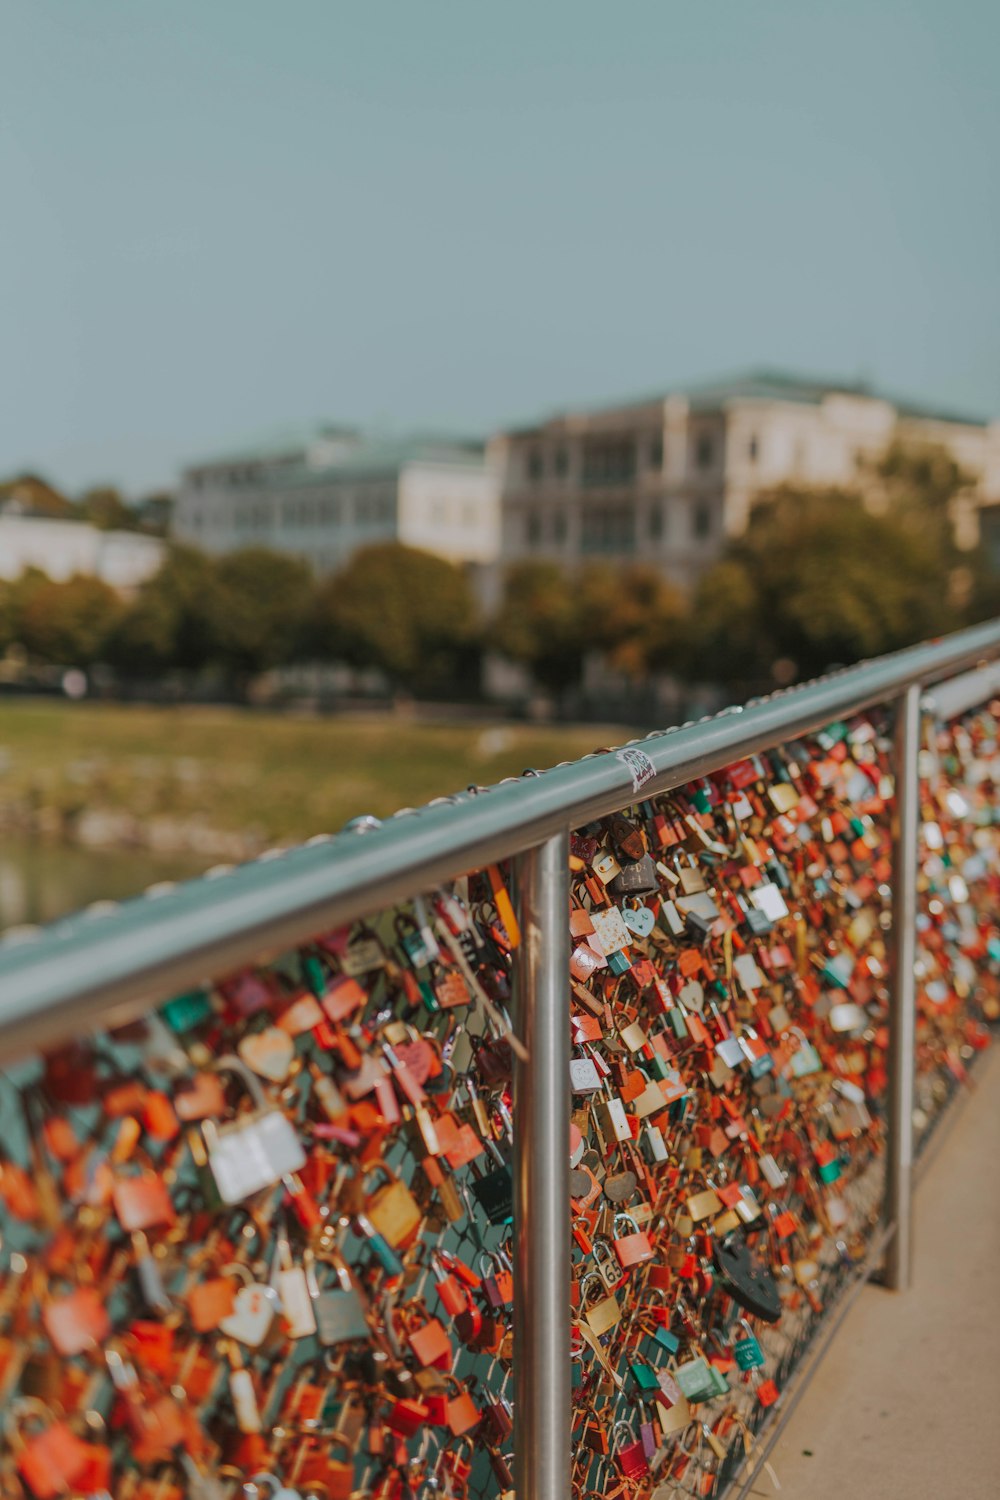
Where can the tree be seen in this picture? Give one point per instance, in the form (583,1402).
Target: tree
(174,620)
(816,580)
(262,600)
(105,508)
(918,483)
(71,623)
(631,614)
(405,611)
(538,623)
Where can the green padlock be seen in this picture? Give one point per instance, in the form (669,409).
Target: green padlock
(186,1011)
(644,1380)
(700,1381)
(747,1351)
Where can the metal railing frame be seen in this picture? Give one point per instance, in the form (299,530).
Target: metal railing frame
(108,964)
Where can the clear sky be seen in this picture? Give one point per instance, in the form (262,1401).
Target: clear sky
(219,217)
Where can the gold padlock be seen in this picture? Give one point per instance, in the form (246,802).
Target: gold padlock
(726,1223)
(393,1210)
(633,1036)
(703,1205)
(603,1313)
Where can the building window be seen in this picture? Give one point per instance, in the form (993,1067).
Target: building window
(656,453)
(607,528)
(656,522)
(536,465)
(559,528)
(752,448)
(609,461)
(562,463)
(702,521)
(533,528)
(704,451)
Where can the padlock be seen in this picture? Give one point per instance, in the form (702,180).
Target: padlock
(461,1412)
(340,1309)
(700,1380)
(612,1121)
(76,1322)
(604,1312)
(268,1054)
(254,1305)
(450,1290)
(242,1392)
(297,1289)
(142,1201)
(631,1249)
(498,1281)
(210,1302)
(747,1282)
(320,1470)
(584,1077)
(50,1458)
(636,878)
(747,1350)
(606,1262)
(254,1151)
(430,1343)
(494,1192)
(393,1210)
(628,1452)
(406,1416)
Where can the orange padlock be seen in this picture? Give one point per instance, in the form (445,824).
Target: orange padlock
(76,1322)
(51,1458)
(142,1201)
(210,1302)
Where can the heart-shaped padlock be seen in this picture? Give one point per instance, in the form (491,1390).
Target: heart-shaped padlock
(269,1053)
(253,1311)
(639,919)
(749,1284)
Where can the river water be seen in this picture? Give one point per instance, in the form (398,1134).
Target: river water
(41,881)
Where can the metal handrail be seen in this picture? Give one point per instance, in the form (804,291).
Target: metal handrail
(105,966)
(115,963)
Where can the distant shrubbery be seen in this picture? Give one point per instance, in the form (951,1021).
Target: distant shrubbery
(818,578)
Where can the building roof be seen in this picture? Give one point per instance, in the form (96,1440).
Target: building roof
(388,455)
(769,385)
(283,443)
(360,455)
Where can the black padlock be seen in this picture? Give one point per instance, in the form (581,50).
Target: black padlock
(758,922)
(636,879)
(750,1284)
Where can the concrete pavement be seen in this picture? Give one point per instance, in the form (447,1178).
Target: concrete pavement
(907,1401)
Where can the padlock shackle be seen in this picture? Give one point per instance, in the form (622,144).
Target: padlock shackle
(230,1063)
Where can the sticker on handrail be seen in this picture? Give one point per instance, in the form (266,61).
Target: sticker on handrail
(639,764)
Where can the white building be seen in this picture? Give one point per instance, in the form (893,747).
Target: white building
(63,548)
(324,494)
(668,478)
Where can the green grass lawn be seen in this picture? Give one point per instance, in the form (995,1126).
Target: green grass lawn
(273,777)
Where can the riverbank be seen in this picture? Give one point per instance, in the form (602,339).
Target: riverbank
(226,783)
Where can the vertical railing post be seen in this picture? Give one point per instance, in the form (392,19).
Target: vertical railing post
(542,1392)
(902,1004)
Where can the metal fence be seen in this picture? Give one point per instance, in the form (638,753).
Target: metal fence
(106,966)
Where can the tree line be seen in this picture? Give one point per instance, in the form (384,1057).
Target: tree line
(819,578)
